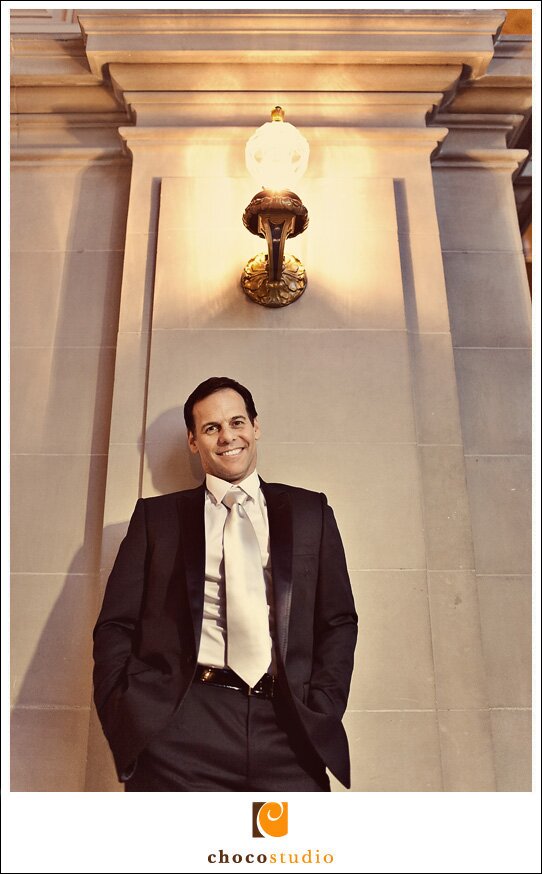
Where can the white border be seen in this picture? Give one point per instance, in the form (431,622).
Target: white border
(380,832)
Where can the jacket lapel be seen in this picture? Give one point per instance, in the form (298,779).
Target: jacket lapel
(192,527)
(279,513)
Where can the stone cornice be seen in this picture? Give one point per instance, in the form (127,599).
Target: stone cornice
(438,38)
(506,86)
(251,21)
(71,120)
(482,159)
(69,154)
(69,44)
(54,99)
(511,63)
(514,46)
(71,131)
(335,70)
(473,137)
(50,60)
(480,120)
(50,74)
(303,108)
(36,22)
(425,139)
(493,98)
(286,76)
(505,126)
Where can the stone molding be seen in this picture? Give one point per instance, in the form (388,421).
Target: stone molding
(471,131)
(40,21)
(482,159)
(415,138)
(260,37)
(71,134)
(190,51)
(67,154)
(511,47)
(506,122)
(70,120)
(311,109)
(505,87)
(286,76)
(50,60)
(383,73)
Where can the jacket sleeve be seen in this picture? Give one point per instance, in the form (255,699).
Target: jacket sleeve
(335,623)
(115,630)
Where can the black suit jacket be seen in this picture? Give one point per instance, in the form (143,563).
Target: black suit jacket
(147,635)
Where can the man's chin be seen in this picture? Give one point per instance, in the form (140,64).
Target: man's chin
(232,476)
(232,473)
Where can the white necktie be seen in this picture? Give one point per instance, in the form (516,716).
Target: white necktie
(247,616)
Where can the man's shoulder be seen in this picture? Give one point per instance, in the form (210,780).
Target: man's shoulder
(173,496)
(171,499)
(157,503)
(295,492)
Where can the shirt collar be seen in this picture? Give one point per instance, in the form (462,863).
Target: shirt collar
(218,488)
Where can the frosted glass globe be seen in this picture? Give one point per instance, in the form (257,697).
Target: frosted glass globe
(277,155)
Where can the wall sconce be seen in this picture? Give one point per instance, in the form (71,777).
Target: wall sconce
(276,156)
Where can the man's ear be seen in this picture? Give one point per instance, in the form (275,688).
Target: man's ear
(256,425)
(192,444)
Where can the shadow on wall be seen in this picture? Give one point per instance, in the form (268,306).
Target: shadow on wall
(68,232)
(170,463)
(60,671)
(168,466)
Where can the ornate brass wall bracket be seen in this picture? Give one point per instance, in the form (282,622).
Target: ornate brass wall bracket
(274,280)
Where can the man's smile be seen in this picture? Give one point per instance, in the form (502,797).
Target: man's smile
(232,453)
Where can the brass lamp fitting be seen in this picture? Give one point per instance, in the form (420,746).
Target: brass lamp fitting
(276,280)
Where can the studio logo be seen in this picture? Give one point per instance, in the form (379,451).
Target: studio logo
(269,819)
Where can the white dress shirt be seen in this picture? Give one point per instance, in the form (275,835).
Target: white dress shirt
(212,649)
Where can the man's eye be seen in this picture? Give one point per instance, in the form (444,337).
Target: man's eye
(210,429)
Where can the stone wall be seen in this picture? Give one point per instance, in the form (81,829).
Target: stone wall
(396,384)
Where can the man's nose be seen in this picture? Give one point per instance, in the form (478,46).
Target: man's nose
(226,435)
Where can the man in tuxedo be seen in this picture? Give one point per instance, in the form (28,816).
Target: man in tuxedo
(225,644)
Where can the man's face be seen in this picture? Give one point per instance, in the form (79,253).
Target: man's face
(224,436)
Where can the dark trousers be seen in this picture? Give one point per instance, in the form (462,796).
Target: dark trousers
(221,740)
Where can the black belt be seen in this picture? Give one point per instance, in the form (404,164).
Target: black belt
(264,688)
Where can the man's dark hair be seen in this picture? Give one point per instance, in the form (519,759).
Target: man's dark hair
(209,387)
